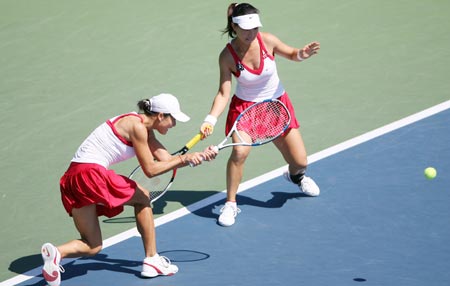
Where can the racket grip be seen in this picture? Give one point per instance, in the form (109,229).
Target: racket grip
(215,149)
(194,141)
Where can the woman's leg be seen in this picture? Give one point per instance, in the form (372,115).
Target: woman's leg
(153,264)
(235,166)
(235,170)
(293,150)
(90,243)
(144,219)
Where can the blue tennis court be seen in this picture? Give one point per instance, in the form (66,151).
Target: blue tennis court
(378,221)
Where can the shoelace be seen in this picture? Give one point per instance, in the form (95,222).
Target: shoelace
(165,261)
(305,184)
(235,211)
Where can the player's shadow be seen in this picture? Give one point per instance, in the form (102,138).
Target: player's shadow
(277,200)
(212,211)
(101,262)
(183,197)
(26,263)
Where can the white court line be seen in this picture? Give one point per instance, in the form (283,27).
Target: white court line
(253,182)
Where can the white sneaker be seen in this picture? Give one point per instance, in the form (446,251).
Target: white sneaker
(51,270)
(158,265)
(307,186)
(228,214)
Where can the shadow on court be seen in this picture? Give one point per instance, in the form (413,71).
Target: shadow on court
(186,198)
(277,200)
(26,263)
(183,197)
(100,262)
(103,262)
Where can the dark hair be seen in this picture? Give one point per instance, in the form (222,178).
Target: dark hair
(235,10)
(145,106)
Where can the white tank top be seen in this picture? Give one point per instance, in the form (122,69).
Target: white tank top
(104,146)
(261,84)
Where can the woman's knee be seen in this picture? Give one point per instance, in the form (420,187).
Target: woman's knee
(141,197)
(93,247)
(299,162)
(239,154)
(95,250)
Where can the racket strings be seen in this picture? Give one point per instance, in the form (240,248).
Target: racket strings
(264,121)
(156,186)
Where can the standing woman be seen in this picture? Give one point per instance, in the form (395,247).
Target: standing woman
(250,58)
(90,189)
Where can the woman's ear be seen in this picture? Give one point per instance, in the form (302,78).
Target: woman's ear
(160,116)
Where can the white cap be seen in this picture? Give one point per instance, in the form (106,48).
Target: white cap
(167,103)
(247,22)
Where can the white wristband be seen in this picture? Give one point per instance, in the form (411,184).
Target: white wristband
(211,119)
(299,57)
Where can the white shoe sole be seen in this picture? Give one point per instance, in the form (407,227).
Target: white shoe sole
(51,270)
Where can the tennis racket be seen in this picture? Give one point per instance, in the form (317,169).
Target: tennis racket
(259,124)
(159,185)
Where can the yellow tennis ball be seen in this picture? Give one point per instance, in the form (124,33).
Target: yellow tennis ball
(430,173)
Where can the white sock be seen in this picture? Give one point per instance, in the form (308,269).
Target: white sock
(232,204)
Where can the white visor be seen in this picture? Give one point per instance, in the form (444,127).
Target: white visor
(247,22)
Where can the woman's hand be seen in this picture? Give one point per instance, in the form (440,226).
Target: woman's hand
(193,159)
(206,129)
(309,50)
(197,158)
(210,153)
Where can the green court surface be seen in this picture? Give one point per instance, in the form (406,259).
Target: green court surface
(66,66)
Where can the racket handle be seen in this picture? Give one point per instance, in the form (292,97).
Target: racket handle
(193,141)
(215,149)
(190,144)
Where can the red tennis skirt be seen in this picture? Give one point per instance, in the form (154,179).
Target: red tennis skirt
(85,184)
(238,105)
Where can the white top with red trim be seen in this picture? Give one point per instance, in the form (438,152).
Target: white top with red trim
(261,84)
(104,146)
